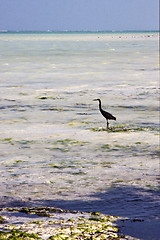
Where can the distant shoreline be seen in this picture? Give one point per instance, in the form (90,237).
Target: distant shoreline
(76,32)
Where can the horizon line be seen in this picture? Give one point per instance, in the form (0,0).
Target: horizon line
(75,31)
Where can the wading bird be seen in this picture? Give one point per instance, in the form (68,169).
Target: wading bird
(105,114)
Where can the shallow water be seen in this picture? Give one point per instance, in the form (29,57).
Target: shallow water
(54,145)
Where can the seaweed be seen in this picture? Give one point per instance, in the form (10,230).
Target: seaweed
(6,140)
(64,145)
(71,142)
(123,128)
(2,221)
(18,235)
(91,225)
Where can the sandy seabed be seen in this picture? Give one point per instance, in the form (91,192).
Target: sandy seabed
(55,150)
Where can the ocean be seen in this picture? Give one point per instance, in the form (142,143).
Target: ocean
(55,149)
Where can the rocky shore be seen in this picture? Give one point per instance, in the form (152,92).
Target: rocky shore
(55,224)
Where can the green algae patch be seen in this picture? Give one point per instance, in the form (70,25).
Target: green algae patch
(98,129)
(6,140)
(18,235)
(62,225)
(123,128)
(64,145)
(39,211)
(71,142)
(23,143)
(112,129)
(88,228)
(2,221)
(135,149)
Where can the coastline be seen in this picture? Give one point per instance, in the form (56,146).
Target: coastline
(55,223)
(84,36)
(43,222)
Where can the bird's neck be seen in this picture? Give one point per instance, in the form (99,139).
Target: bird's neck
(100,108)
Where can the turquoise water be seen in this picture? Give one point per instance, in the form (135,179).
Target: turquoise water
(76,32)
(54,143)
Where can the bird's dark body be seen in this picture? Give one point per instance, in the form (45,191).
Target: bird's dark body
(105,114)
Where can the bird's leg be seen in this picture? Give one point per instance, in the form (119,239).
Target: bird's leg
(107,124)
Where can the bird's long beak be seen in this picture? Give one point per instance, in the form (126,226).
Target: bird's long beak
(95,99)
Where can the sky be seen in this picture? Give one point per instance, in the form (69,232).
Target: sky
(79,15)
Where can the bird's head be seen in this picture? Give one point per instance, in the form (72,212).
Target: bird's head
(97,99)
